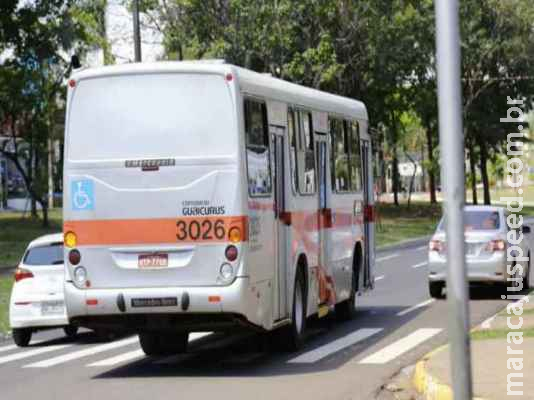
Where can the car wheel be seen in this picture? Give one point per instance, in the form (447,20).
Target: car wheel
(515,279)
(71,331)
(526,282)
(22,337)
(292,335)
(158,344)
(436,289)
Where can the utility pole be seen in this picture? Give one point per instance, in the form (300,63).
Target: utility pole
(453,174)
(136,31)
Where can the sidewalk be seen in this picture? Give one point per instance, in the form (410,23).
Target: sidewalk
(489,358)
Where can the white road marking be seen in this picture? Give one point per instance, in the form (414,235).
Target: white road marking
(415,307)
(129,356)
(83,353)
(31,353)
(420,264)
(132,355)
(401,346)
(14,346)
(378,278)
(335,346)
(380,259)
(7,348)
(487,323)
(421,248)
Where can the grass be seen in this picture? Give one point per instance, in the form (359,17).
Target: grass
(496,194)
(6,282)
(395,224)
(498,333)
(17,231)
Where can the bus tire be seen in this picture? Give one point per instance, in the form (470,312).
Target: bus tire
(158,344)
(293,334)
(71,331)
(22,336)
(346,310)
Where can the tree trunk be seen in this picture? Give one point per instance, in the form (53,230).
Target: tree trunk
(395,178)
(412,179)
(484,171)
(473,172)
(46,223)
(431,177)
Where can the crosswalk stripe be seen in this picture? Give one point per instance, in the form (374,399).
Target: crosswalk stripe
(173,358)
(31,353)
(401,346)
(14,346)
(129,356)
(132,355)
(380,259)
(420,264)
(83,353)
(335,346)
(7,348)
(379,278)
(415,307)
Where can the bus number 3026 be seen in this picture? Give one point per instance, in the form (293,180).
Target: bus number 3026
(200,229)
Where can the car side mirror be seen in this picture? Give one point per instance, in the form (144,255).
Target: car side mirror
(526,229)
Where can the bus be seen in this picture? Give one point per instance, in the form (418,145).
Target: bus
(207,197)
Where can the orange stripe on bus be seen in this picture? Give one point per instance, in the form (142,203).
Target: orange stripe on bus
(157,230)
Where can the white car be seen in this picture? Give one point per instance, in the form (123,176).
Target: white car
(486,245)
(37,300)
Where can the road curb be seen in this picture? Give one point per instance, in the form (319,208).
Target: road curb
(406,244)
(429,386)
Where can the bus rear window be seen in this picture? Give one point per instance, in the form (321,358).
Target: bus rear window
(151,116)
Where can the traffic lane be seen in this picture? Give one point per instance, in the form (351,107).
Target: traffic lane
(211,369)
(224,367)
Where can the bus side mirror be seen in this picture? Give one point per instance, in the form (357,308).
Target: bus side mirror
(526,229)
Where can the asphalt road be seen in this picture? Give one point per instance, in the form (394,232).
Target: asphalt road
(396,324)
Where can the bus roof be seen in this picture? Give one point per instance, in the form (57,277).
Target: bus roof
(249,81)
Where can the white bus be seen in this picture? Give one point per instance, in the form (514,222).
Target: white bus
(207,197)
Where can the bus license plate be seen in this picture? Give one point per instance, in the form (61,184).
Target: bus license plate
(155,302)
(153,260)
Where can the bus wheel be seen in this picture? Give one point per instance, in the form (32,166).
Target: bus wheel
(346,309)
(71,331)
(159,344)
(293,334)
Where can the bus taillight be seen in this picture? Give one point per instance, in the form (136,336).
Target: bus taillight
(369,213)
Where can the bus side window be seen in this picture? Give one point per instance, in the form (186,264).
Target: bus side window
(306,158)
(293,133)
(257,142)
(340,156)
(355,157)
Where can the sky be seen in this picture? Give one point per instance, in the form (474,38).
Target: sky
(119,26)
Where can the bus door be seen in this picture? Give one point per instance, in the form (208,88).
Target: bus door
(368,213)
(281,234)
(325,220)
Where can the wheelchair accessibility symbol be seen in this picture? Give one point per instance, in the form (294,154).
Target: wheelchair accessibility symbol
(82,195)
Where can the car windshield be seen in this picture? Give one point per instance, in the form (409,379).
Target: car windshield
(478,221)
(45,255)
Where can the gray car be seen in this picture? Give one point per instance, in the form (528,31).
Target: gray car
(487,243)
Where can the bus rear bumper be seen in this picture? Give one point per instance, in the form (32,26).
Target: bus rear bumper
(174,308)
